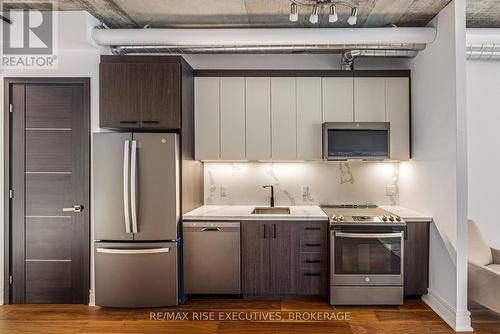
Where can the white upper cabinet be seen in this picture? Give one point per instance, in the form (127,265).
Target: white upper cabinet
(258,118)
(284,119)
(281,118)
(338,99)
(232,118)
(397,98)
(369,99)
(207,131)
(309,119)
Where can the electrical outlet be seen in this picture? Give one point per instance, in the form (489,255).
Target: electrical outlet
(391,190)
(305,190)
(223,191)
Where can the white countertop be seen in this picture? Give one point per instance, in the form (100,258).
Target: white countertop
(407,214)
(243,212)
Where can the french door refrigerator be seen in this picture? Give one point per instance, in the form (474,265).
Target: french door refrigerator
(136,215)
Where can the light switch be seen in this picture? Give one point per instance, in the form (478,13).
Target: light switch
(223,191)
(391,190)
(305,190)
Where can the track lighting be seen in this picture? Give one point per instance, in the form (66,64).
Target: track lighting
(333,17)
(314,15)
(318,5)
(294,15)
(353,19)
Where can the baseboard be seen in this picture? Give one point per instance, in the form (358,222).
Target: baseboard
(458,321)
(91,298)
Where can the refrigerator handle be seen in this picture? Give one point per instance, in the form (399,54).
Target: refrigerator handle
(133,186)
(126,166)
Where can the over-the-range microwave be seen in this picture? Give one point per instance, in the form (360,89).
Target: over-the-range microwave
(356,140)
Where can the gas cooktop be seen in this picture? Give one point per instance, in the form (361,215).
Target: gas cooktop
(360,214)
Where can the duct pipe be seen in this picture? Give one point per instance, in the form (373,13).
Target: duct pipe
(483,44)
(349,56)
(257,37)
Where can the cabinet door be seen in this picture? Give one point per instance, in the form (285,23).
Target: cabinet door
(258,118)
(283,261)
(232,118)
(369,99)
(416,254)
(284,119)
(255,258)
(309,120)
(338,99)
(397,94)
(207,133)
(118,95)
(159,95)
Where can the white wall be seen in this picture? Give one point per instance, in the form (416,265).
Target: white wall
(329,182)
(483,117)
(435,180)
(78,57)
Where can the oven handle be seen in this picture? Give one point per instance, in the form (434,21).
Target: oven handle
(368,235)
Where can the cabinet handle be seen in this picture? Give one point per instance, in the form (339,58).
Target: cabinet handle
(264,226)
(128,122)
(313,245)
(313,228)
(150,122)
(312,274)
(274,231)
(313,261)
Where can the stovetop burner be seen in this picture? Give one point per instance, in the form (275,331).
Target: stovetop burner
(360,214)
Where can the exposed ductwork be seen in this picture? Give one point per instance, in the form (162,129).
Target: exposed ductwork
(351,42)
(483,44)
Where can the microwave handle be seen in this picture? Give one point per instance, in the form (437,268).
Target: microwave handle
(368,235)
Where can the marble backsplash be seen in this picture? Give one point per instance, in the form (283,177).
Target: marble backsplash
(328,182)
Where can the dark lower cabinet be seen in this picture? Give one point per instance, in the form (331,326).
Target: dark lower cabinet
(416,257)
(284,258)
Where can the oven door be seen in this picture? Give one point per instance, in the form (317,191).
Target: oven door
(367,257)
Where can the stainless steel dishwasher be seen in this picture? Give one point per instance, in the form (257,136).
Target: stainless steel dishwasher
(211,257)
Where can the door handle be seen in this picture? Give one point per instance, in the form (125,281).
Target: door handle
(133,186)
(126,183)
(133,251)
(77,208)
(210,229)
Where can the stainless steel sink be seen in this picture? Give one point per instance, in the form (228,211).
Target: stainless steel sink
(271,211)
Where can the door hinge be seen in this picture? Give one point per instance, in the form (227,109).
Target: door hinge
(11,280)
(11,193)
(11,107)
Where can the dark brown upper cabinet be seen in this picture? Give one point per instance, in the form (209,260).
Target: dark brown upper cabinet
(141,92)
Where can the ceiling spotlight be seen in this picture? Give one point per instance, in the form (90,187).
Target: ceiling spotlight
(314,15)
(333,17)
(353,19)
(294,16)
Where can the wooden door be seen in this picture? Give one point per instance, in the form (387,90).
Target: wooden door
(397,92)
(159,95)
(309,119)
(232,118)
(48,171)
(255,238)
(338,99)
(118,107)
(416,257)
(258,118)
(283,253)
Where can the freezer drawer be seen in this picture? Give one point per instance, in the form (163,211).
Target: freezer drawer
(136,274)
(211,257)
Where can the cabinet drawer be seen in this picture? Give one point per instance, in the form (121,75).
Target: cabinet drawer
(313,237)
(313,281)
(313,261)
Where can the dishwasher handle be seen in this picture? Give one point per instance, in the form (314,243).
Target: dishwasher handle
(210,229)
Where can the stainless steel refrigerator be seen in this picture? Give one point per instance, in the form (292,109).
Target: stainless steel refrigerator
(136,217)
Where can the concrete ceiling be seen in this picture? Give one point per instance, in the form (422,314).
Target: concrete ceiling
(483,13)
(246,13)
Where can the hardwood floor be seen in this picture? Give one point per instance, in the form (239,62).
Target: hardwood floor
(413,317)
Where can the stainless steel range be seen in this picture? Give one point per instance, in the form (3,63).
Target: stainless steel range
(366,255)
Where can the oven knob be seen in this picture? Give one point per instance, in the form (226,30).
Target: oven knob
(341,218)
(398,218)
(391,218)
(384,218)
(367,279)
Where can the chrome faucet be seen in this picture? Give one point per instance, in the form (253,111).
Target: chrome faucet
(271,202)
